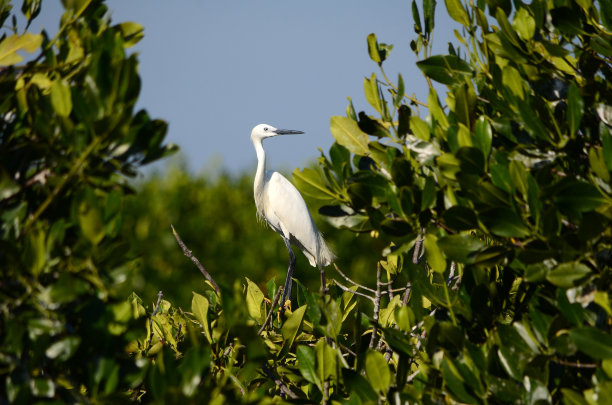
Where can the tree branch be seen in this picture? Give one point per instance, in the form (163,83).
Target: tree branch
(159,298)
(376,307)
(352,282)
(194,259)
(344,288)
(274,302)
(279,383)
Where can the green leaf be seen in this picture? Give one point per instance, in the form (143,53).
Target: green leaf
(132,33)
(199,308)
(61,99)
(377,371)
(434,255)
(504,222)
(566,274)
(455,381)
(460,248)
(593,342)
(511,78)
(370,88)
(306,364)
(460,218)
(524,24)
(254,300)
(373,48)
(42,387)
(326,360)
(35,255)
(429,11)
(309,182)
(347,133)
(578,196)
(575,108)
(457,12)
(10,45)
(292,326)
(572,397)
(419,128)
(64,348)
(90,217)
(446,69)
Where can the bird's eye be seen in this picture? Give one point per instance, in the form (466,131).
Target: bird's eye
(266,128)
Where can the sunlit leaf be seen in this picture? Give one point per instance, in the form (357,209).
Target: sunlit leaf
(199,307)
(377,371)
(347,133)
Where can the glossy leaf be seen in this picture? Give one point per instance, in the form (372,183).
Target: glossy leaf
(347,133)
(292,325)
(575,108)
(446,69)
(594,342)
(567,274)
(254,301)
(199,307)
(306,362)
(10,45)
(435,257)
(457,12)
(377,371)
(460,248)
(61,98)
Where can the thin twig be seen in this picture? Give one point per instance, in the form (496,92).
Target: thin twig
(376,308)
(417,256)
(419,248)
(451,273)
(573,364)
(159,298)
(352,282)
(279,383)
(194,259)
(344,288)
(274,302)
(406,294)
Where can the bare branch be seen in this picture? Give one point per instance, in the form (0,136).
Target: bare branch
(194,259)
(352,282)
(419,248)
(274,302)
(376,308)
(406,294)
(279,383)
(417,256)
(344,288)
(574,364)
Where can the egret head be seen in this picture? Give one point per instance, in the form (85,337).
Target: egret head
(263,131)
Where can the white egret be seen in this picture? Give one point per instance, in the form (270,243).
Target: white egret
(281,205)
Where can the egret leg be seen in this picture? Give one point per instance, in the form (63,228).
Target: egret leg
(289,279)
(323,282)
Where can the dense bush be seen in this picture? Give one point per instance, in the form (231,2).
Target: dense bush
(69,136)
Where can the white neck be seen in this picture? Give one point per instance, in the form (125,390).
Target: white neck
(260,174)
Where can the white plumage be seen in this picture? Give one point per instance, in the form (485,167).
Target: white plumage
(281,205)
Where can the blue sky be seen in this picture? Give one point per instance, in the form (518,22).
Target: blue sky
(215,69)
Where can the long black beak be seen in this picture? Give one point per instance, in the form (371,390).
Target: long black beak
(287,132)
